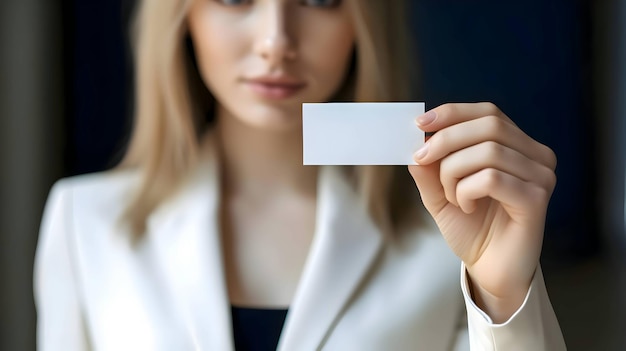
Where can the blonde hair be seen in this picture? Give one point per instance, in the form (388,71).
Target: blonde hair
(172,102)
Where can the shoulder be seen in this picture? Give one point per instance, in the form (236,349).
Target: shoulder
(104,193)
(82,214)
(107,182)
(99,186)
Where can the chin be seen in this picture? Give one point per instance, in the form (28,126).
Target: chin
(274,120)
(278,123)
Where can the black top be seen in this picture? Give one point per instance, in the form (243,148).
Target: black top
(256,329)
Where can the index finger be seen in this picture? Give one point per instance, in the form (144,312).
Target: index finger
(450,114)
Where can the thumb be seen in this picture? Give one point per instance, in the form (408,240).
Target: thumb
(426,178)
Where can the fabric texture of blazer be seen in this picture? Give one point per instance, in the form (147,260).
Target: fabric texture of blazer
(359,290)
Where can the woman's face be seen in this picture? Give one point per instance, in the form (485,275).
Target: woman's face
(262,59)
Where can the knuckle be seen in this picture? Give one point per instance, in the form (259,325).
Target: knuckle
(444,168)
(551,156)
(541,195)
(446,186)
(449,182)
(450,196)
(444,176)
(491,108)
(491,177)
(551,180)
(493,150)
(495,126)
(547,155)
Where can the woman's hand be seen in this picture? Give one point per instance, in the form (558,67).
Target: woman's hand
(487,185)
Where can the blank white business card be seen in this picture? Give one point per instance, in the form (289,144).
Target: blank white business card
(361,133)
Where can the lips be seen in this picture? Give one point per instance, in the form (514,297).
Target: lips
(275,87)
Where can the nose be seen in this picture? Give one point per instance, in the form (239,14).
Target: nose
(274,43)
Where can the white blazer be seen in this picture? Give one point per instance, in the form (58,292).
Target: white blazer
(358,291)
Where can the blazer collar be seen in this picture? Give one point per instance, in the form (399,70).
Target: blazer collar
(186,240)
(344,248)
(185,235)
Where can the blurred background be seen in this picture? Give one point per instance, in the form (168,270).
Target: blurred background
(556,67)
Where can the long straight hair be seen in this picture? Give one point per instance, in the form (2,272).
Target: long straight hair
(172,103)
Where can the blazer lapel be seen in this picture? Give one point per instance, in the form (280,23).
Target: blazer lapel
(186,239)
(345,245)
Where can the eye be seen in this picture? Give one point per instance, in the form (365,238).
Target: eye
(321,3)
(234,2)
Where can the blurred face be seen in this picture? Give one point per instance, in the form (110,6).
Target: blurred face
(262,59)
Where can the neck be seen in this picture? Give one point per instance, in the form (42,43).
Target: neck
(261,163)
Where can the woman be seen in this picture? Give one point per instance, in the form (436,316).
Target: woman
(212,218)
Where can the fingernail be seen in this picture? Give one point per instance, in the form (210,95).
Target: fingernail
(426,119)
(421,153)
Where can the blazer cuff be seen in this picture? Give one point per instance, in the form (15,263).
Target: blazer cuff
(532,327)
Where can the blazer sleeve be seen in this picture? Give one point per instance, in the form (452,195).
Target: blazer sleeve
(60,323)
(532,327)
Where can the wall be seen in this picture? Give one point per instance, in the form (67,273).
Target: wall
(31,131)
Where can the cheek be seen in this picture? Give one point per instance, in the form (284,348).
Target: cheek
(330,41)
(343,46)
(216,49)
(330,49)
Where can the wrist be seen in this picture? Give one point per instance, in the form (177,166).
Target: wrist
(500,308)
